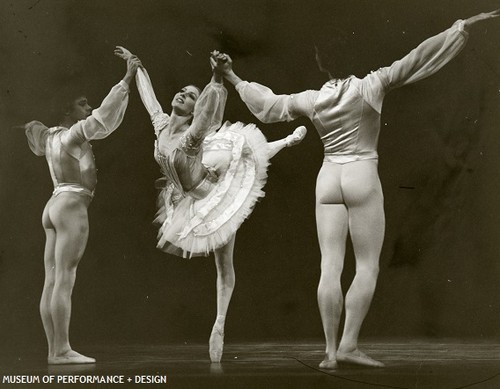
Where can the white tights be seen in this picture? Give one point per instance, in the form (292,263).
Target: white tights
(348,199)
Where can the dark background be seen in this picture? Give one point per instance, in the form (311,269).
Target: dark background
(439,148)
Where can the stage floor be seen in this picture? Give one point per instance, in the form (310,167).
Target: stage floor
(272,365)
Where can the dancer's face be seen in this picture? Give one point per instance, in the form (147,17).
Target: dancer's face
(80,109)
(184,101)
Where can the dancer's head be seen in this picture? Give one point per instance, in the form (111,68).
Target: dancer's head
(70,106)
(78,109)
(184,101)
(349,51)
(331,55)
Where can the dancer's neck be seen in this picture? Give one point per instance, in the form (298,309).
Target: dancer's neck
(178,123)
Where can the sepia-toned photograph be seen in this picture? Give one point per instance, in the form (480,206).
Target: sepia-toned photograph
(250,194)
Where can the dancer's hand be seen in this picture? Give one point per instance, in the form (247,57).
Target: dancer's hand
(480,17)
(221,63)
(133,63)
(123,53)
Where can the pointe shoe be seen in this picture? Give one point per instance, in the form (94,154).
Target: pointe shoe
(296,136)
(358,358)
(328,364)
(70,358)
(216,344)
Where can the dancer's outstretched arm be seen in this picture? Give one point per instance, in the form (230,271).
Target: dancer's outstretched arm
(102,122)
(209,108)
(105,119)
(423,61)
(431,55)
(147,93)
(262,102)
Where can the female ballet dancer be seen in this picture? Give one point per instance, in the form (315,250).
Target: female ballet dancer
(65,217)
(346,114)
(213,179)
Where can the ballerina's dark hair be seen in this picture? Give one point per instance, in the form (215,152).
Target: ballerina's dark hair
(197,87)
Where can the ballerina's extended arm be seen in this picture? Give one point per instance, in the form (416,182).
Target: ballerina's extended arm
(147,93)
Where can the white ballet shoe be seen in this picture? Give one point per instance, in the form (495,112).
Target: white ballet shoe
(328,364)
(70,358)
(296,136)
(356,357)
(216,344)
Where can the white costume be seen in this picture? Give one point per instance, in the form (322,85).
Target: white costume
(212,181)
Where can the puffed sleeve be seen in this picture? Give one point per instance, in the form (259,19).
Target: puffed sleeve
(105,119)
(148,97)
(270,108)
(430,56)
(425,60)
(208,110)
(36,133)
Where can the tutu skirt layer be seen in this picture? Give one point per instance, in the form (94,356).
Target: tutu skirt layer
(238,156)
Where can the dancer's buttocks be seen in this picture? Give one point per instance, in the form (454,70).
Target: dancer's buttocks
(65,203)
(349,183)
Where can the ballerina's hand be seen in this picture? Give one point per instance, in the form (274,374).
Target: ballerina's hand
(123,53)
(220,62)
(133,63)
(482,16)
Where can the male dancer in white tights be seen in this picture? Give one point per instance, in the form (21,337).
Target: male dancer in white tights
(65,219)
(346,114)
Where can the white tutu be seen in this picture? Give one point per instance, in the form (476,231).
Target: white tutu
(195,227)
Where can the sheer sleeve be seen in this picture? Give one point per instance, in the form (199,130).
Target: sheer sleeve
(209,110)
(148,97)
(430,56)
(269,107)
(104,120)
(37,134)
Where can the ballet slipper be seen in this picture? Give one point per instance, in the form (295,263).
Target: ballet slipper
(328,364)
(216,344)
(356,357)
(296,136)
(70,358)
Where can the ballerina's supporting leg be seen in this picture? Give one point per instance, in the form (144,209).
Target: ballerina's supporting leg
(224,263)
(225,287)
(291,140)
